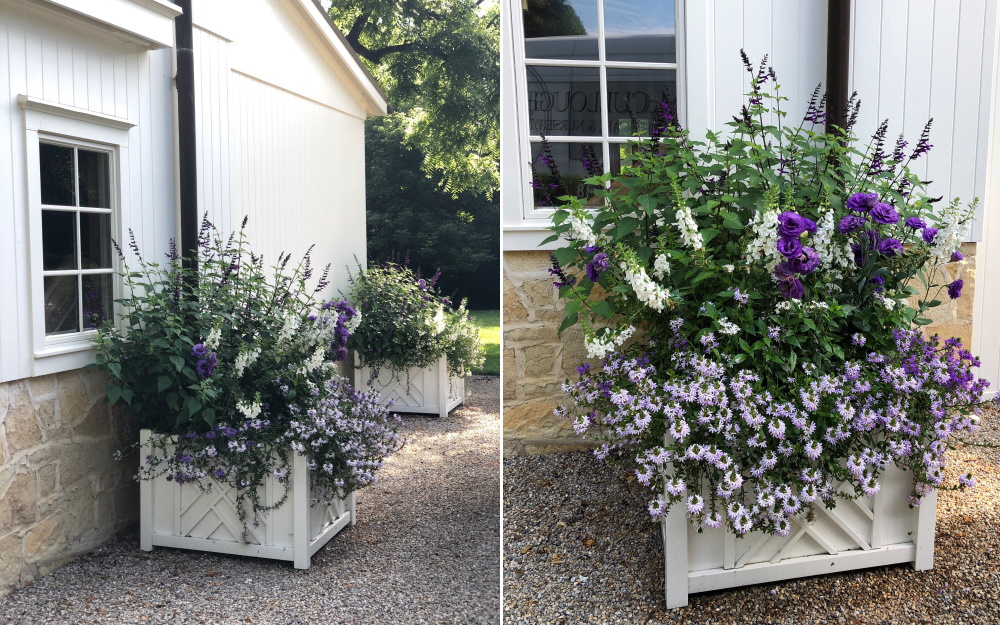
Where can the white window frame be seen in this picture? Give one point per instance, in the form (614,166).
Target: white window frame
(524,224)
(56,123)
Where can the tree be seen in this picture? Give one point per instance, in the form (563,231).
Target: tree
(410,215)
(438,61)
(552,18)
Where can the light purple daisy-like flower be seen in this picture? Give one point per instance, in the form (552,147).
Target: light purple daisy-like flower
(695,504)
(777,428)
(858,339)
(870,486)
(813,449)
(712,520)
(967,481)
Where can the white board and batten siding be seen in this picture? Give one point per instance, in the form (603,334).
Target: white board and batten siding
(911,60)
(52,57)
(280,111)
(280,128)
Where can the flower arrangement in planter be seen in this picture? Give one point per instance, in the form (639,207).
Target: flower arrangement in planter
(229,370)
(410,345)
(754,300)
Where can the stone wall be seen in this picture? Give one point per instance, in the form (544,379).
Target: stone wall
(536,360)
(61,492)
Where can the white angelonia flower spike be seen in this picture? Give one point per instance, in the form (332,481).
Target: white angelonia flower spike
(765,241)
(661,267)
(601,346)
(580,230)
(213,338)
(830,254)
(646,290)
(689,228)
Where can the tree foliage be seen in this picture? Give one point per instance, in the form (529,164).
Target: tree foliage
(439,63)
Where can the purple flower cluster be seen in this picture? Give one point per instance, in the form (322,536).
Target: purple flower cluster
(800,259)
(207,361)
(761,455)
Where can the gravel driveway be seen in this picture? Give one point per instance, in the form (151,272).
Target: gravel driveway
(426,549)
(579,548)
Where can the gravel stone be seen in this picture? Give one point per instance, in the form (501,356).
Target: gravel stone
(579,548)
(426,549)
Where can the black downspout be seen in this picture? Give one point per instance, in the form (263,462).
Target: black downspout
(838,61)
(186,148)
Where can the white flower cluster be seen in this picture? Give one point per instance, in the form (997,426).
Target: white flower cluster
(830,254)
(765,240)
(288,328)
(646,290)
(353,323)
(728,327)
(245,359)
(887,302)
(689,228)
(315,361)
(580,230)
(249,410)
(661,267)
(954,224)
(601,346)
(213,338)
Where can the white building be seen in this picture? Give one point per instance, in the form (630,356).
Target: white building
(89,120)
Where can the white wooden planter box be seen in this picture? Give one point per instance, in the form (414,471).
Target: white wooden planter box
(856,534)
(185,517)
(428,390)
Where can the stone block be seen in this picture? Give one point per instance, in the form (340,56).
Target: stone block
(534,420)
(962,332)
(19,503)
(47,478)
(11,561)
(533,263)
(538,295)
(84,459)
(42,387)
(96,423)
(510,381)
(22,426)
(78,511)
(513,308)
(537,361)
(74,400)
(44,541)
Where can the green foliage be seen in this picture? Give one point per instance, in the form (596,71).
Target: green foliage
(233,364)
(410,214)
(488,322)
(438,60)
(552,18)
(406,323)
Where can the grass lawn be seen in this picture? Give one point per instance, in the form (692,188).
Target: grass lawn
(489,334)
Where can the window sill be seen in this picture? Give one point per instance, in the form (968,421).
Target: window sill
(64,357)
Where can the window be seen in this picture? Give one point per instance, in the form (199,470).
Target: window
(76,212)
(594,71)
(76,162)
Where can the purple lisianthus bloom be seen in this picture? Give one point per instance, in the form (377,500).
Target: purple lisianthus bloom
(791,224)
(596,266)
(957,256)
(862,202)
(955,289)
(789,247)
(850,223)
(199,350)
(885,214)
(929,234)
(206,365)
(878,281)
(789,285)
(890,247)
(806,263)
(916,223)
(339,353)
(810,225)
(590,249)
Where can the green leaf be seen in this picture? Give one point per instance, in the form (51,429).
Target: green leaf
(178,361)
(732,221)
(113,393)
(566,255)
(602,308)
(922,321)
(568,321)
(163,383)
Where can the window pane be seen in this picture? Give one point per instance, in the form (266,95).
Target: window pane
(58,240)
(639,31)
(97,295)
(95,240)
(562,169)
(56,173)
(560,29)
(564,100)
(95,178)
(645,90)
(62,305)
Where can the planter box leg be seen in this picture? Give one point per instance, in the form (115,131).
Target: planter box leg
(443,387)
(923,538)
(353,508)
(675,557)
(300,514)
(145,497)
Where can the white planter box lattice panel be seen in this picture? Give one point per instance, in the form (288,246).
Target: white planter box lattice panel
(856,534)
(427,390)
(185,517)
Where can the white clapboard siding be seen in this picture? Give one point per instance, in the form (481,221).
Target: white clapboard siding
(49,56)
(918,59)
(280,137)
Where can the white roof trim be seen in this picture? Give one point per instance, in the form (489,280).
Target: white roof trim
(150,22)
(29,103)
(318,18)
